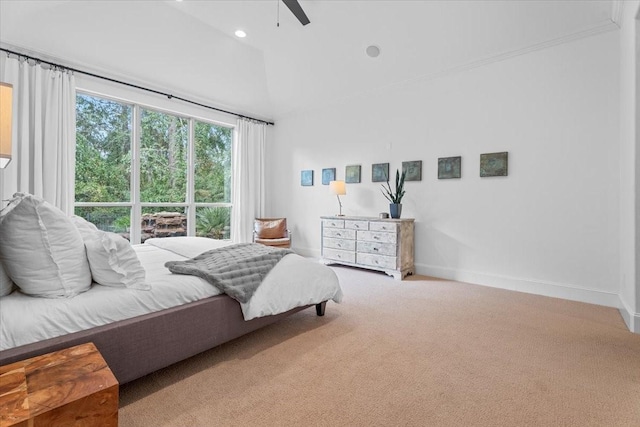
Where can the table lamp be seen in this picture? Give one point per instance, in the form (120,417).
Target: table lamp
(339,189)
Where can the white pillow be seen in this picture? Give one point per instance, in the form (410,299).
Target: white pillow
(42,251)
(112,260)
(6,285)
(83,225)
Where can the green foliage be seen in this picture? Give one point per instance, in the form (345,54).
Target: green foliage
(114,219)
(213,163)
(397,195)
(103,150)
(104,156)
(163,157)
(211,222)
(122,222)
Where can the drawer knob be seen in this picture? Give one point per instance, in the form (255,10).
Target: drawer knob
(375,249)
(338,234)
(376,238)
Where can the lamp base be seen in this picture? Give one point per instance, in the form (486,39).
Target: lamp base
(340,215)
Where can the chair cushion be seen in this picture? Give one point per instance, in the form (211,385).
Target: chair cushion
(285,241)
(270,228)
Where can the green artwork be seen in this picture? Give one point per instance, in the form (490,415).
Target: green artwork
(413,170)
(494,164)
(379,172)
(352,174)
(449,167)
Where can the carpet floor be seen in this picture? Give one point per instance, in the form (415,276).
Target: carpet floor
(421,352)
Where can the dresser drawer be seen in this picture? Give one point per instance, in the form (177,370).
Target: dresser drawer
(377,248)
(339,255)
(339,233)
(377,236)
(356,225)
(333,223)
(377,260)
(345,245)
(383,226)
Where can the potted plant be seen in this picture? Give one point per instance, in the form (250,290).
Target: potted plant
(395,197)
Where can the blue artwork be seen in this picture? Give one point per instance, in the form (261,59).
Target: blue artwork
(306,178)
(328,175)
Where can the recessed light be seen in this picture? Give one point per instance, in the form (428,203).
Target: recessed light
(241,34)
(373,51)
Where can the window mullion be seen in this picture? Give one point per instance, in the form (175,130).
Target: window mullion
(191,156)
(136,210)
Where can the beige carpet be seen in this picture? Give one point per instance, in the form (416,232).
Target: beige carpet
(422,352)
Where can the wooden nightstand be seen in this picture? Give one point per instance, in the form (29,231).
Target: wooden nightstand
(71,387)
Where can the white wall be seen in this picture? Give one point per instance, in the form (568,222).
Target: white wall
(149,43)
(629,169)
(550,227)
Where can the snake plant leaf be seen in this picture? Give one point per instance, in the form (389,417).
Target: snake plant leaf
(397,195)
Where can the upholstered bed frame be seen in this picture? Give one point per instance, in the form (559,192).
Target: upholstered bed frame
(136,347)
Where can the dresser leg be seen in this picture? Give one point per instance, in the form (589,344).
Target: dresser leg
(320,308)
(397,275)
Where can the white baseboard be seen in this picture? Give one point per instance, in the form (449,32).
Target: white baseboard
(630,318)
(550,289)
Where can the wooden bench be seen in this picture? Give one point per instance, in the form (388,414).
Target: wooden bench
(71,387)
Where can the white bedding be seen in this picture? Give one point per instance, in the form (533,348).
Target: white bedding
(293,282)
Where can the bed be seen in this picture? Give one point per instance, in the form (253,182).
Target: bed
(140,331)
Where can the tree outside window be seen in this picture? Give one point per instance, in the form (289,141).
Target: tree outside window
(171,190)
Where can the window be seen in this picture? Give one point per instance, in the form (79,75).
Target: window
(160,193)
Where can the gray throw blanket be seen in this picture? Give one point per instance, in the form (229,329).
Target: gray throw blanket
(236,270)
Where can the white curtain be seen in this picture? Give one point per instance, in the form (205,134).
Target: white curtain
(247,194)
(44,133)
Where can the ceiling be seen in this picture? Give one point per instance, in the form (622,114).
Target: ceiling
(188,47)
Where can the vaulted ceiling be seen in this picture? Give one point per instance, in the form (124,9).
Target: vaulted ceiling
(189,47)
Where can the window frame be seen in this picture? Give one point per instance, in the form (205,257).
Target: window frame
(135,204)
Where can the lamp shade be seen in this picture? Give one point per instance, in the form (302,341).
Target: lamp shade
(6,100)
(338,188)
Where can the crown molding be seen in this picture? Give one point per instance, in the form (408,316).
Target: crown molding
(617,7)
(603,27)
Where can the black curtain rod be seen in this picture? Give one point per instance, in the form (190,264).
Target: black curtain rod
(157,92)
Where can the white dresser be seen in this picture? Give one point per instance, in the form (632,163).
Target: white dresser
(377,244)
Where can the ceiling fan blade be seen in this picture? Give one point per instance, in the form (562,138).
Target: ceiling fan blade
(296,9)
